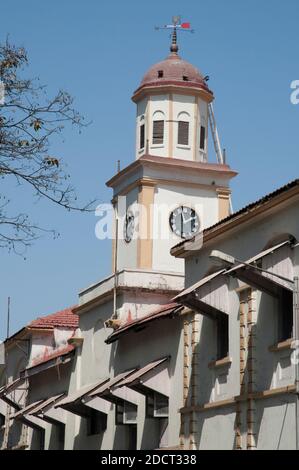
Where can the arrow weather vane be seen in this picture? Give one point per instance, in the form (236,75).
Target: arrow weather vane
(176,25)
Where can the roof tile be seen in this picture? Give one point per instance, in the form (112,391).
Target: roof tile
(64,318)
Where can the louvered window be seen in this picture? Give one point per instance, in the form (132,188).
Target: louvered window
(142,138)
(158,132)
(183,133)
(202,143)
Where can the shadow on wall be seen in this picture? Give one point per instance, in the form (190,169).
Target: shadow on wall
(205,351)
(83,441)
(137,349)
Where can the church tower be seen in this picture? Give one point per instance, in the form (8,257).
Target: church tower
(172,110)
(171,191)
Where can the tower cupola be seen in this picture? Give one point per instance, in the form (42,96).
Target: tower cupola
(172,110)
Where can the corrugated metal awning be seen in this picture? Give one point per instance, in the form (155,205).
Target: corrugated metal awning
(106,390)
(26,409)
(198,284)
(10,387)
(164,311)
(137,380)
(266,282)
(74,403)
(45,410)
(32,422)
(190,298)
(7,389)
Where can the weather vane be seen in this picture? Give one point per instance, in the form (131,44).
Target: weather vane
(176,25)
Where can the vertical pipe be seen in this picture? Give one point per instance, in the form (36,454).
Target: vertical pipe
(115,259)
(8,316)
(296,337)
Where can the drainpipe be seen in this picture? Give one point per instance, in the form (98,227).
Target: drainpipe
(114,315)
(296,337)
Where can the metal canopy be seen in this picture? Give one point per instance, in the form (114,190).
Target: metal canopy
(33,422)
(193,302)
(7,389)
(74,404)
(258,280)
(26,409)
(190,299)
(198,284)
(136,380)
(106,392)
(40,411)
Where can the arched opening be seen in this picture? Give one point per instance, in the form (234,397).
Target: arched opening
(183,128)
(158,128)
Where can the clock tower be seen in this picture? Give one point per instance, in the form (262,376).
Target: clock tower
(171,191)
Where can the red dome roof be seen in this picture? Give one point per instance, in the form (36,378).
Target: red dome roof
(173,68)
(173,71)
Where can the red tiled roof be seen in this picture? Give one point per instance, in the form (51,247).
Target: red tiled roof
(64,318)
(163,311)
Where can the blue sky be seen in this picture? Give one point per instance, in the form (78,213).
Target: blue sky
(99,52)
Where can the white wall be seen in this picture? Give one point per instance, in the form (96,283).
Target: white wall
(169,197)
(172,109)
(274,417)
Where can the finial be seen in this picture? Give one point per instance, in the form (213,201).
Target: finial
(174,46)
(175,26)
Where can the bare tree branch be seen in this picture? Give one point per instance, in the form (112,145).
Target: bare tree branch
(28,122)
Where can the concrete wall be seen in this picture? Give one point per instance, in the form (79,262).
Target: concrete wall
(134,349)
(167,198)
(273,417)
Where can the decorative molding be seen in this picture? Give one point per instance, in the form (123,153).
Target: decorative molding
(282,345)
(223,202)
(265,394)
(145,244)
(224,362)
(154,90)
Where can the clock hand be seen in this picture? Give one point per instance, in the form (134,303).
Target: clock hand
(188,220)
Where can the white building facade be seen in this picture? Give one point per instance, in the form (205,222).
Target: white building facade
(241,389)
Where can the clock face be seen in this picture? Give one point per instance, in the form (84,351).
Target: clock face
(184,222)
(129,226)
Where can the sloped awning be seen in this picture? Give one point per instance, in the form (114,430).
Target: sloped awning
(59,357)
(32,422)
(25,410)
(46,411)
(142,379)
(164,311)
(8,389)
(113,393)
(265,282)
(75,404)
(190,298)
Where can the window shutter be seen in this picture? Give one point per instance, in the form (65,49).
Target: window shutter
(202,137)
(142,135)
(158,132)
(183,133)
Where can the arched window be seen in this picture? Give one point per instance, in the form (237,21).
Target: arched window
(183,128)
(158,128)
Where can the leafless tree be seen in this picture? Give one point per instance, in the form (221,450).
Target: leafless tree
(29,120)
